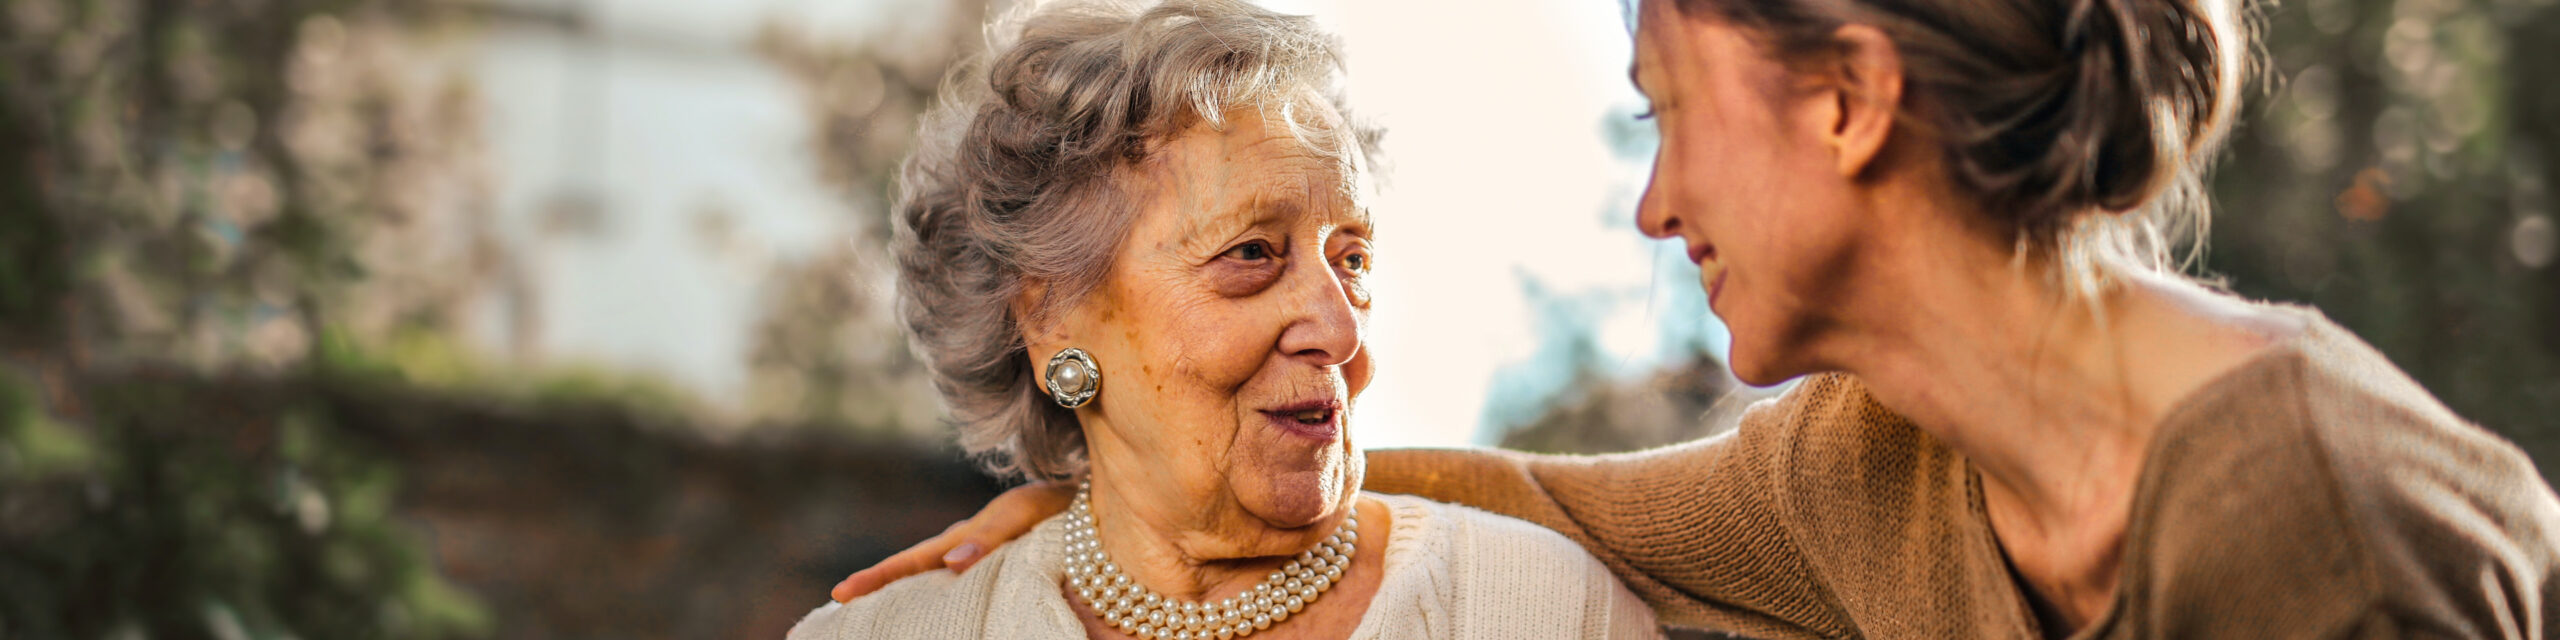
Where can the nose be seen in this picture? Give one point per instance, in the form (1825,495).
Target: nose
(1324,325)
(1653,211)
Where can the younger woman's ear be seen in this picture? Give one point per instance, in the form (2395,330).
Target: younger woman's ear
(1867,97)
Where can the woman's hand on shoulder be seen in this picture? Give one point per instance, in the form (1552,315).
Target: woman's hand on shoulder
(1007,517)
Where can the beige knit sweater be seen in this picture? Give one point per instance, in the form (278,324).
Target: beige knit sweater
(2314,492)
(1451,572)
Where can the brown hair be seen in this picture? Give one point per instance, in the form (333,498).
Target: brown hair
(1016,179)
(2085,125)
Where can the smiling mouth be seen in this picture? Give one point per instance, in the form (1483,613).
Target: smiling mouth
(1321,420)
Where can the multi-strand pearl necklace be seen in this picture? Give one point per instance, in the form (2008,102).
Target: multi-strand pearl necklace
(1132,608)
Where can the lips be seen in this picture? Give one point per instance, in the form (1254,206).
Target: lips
(1319,418)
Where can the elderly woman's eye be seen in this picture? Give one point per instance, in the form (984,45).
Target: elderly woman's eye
(1254,251)
(1357,263)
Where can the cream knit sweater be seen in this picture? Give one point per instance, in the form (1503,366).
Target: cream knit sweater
(1451,572)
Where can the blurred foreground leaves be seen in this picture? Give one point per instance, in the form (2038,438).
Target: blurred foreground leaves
(240,245)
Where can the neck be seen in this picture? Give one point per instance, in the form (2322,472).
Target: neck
(2053,397)
(1180,552)
(2046,407)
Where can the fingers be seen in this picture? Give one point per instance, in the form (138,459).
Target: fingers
(1009,516)
(966,542)
(925,556)
(963,556)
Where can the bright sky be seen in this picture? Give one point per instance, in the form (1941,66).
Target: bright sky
(1503,179)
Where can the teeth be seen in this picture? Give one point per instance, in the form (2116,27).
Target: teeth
(1310,416)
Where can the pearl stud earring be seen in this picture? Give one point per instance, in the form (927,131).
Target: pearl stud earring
(1073,378)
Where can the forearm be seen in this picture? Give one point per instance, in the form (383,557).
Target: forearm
(1645,515)
(1490,479)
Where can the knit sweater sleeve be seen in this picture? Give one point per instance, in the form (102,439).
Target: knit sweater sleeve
(1691,528)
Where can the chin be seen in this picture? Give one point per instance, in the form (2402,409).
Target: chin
(1301,497)
(1755,374)
(1754,363)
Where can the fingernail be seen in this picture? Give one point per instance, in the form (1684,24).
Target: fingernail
(960,554)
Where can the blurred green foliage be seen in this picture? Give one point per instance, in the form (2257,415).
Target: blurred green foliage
(239,242)
(189,190)
(139,526)
(2395,171)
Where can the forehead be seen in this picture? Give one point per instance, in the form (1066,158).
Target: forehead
(1654,19)
(1258,165)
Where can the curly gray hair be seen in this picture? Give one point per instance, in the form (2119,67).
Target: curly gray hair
(1016,181)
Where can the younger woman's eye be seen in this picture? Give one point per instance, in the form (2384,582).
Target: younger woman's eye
(1254,251)
(1647,115)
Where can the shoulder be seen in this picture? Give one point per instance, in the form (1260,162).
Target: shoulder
(1498,573)
(1828,423)
(2396,455)
(1459,529)
(2322,478)
(933,604)
(2455,521)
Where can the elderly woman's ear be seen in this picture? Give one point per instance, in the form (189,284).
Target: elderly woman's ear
(1045,326)
(1064,370)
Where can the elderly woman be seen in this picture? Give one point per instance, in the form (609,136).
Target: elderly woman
(1132,250)
(1956,220)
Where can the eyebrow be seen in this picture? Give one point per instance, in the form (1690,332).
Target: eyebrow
(1359,221)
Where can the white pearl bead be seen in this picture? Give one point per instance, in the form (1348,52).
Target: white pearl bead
(1069,378)
(1124,604)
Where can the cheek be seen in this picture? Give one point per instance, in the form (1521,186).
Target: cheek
(1214,345)
(1193,354)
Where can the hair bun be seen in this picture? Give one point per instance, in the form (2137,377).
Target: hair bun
(2142,93)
